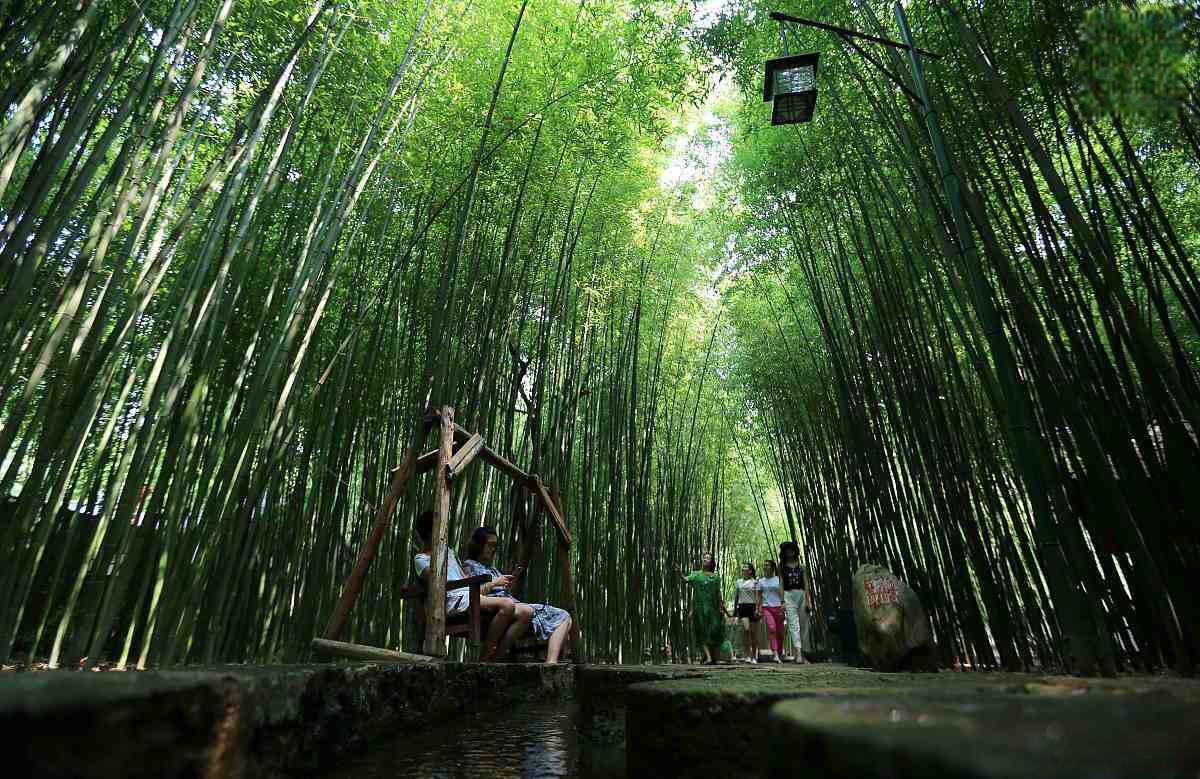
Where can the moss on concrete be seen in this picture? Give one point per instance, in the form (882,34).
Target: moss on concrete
(601,693)
(984,737)
(240,720)
(721,720)
(294,720)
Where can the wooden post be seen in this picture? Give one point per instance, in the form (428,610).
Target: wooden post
(435,607)
(560,525)
(476,633)
(383,519)
(523,550)
(564,563)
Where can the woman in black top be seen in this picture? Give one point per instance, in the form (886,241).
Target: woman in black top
(797,596)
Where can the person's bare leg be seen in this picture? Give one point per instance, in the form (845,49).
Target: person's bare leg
(554,647)
(495,631)
(504,611)
(522,618)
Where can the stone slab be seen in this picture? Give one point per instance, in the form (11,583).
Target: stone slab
(986,737)
(601,693)
(238,721)
(721,722)
(251,721)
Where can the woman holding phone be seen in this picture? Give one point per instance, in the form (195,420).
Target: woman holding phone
(549,623)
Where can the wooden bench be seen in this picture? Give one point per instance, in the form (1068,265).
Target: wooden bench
(471,624)
(468,624)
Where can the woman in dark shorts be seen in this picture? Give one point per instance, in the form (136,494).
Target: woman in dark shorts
(748,608)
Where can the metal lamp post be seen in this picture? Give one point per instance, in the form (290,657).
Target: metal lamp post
(1019,423)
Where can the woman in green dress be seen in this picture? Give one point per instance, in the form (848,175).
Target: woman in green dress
(708,608)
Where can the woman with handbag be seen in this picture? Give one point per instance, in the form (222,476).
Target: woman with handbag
(797,596)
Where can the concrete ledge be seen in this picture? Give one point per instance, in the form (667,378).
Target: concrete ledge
(601,692)
(713,724)
(833,721)
(238,721)
(810,721)
(985,738)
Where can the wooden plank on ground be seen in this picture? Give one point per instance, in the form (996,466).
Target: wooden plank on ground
(363,652)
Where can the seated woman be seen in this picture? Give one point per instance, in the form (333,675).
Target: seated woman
(506,627)
(550,623)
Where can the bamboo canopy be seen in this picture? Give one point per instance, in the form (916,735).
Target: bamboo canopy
(244,246)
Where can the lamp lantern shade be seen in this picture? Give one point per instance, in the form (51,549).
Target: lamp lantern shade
(791,86)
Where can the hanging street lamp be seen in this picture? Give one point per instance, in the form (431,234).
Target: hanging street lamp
(1019,431)
(791,81)
(791,86)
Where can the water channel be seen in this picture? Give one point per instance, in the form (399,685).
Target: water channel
(530,740)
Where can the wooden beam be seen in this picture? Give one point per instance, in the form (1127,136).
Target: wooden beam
(435,605)
(383,519)
(498,462)
(463,457)
(326,648)
(495,460)
(564,537)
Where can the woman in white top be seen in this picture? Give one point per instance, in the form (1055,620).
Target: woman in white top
(772,607)
(748,607)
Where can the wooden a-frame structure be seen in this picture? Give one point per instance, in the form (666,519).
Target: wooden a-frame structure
(457,448)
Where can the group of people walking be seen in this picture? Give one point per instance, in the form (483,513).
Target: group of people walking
(782,596)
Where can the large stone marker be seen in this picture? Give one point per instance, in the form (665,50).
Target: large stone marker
(893,628)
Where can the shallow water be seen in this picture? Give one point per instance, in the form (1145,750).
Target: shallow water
(538,739)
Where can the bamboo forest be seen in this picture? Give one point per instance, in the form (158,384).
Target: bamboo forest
(257,257)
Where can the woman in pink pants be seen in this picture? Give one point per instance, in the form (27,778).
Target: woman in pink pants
(772,607)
